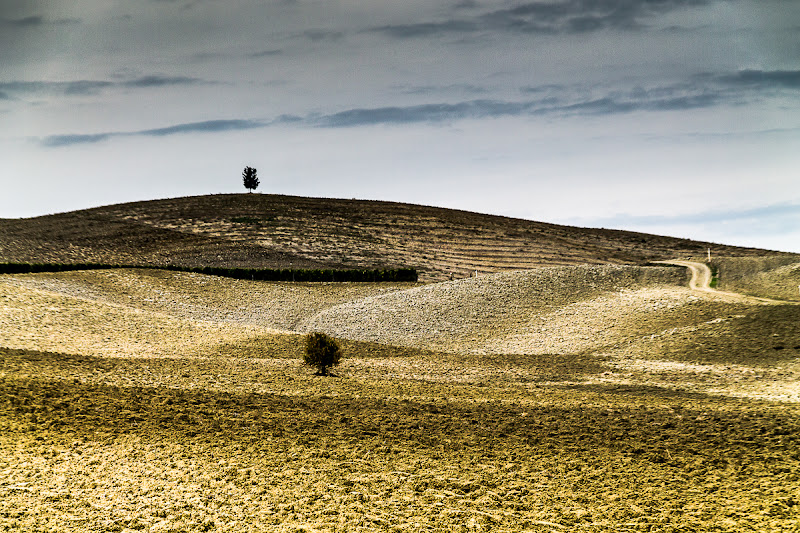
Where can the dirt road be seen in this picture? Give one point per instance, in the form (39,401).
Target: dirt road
(701,281)
(701,274)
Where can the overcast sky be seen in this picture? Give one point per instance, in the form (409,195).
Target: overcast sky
(676,117)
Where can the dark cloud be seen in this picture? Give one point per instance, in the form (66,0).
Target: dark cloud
(84,87)
(287,119)
(599,106)
(437,89)
(25,22)
(547,17)
(560,100)
(320,35)
(427,29)
(208,126)
(267,53)
(184,5)
(683,103)
(552,100)
(34,21)
(423,113)
(161,81)
(661,99)
(61,87)
(68,140)
(779,79)
(81,87)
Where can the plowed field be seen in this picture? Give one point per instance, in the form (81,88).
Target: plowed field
(144,401)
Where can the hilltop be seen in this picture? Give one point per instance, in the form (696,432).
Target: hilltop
(274,231)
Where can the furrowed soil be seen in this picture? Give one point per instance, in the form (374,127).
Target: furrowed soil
(275,231)
(134,400)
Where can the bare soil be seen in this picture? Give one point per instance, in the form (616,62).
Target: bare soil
(615,399)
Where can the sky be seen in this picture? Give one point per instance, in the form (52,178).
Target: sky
(674,117)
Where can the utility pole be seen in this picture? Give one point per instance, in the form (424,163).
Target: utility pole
(709,255)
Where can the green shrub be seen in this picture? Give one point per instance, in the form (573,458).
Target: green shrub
(322,352)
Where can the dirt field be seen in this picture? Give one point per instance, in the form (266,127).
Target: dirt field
(151,401)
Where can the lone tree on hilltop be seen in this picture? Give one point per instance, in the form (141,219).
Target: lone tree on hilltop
(322,352)
(250,179)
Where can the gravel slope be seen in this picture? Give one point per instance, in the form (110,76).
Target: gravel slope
(599,325)
(488,314)
(277,305)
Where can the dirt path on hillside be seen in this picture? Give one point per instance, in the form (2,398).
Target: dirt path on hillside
(701,274)
(701,281)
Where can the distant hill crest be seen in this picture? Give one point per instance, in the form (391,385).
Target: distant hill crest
(276,231)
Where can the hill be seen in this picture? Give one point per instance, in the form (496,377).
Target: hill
(272,231)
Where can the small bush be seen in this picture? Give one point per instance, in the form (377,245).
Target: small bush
(322,352)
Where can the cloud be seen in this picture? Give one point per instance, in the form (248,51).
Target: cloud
(423,113)
(84,87)
(553,101)
(34,21)
(427,29)
(161,81)
(208,126)
(25,22)
(546,17)
(777,79)
(62,87)
(641,100)
(466,88)
(560,100)
(267,53)
(322,35)
(547,100)
(67,140)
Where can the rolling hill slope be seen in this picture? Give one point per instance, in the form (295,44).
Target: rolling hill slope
(270,231)
(574,396)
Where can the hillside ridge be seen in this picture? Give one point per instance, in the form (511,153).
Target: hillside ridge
(279,231)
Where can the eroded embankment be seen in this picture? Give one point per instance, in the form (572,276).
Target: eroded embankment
(775,277)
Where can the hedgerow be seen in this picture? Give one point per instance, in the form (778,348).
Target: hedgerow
(260,274)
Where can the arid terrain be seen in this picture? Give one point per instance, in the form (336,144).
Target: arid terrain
(271,231)
(591,393)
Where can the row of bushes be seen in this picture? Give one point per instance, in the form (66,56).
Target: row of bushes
(261,274)
(28,268)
